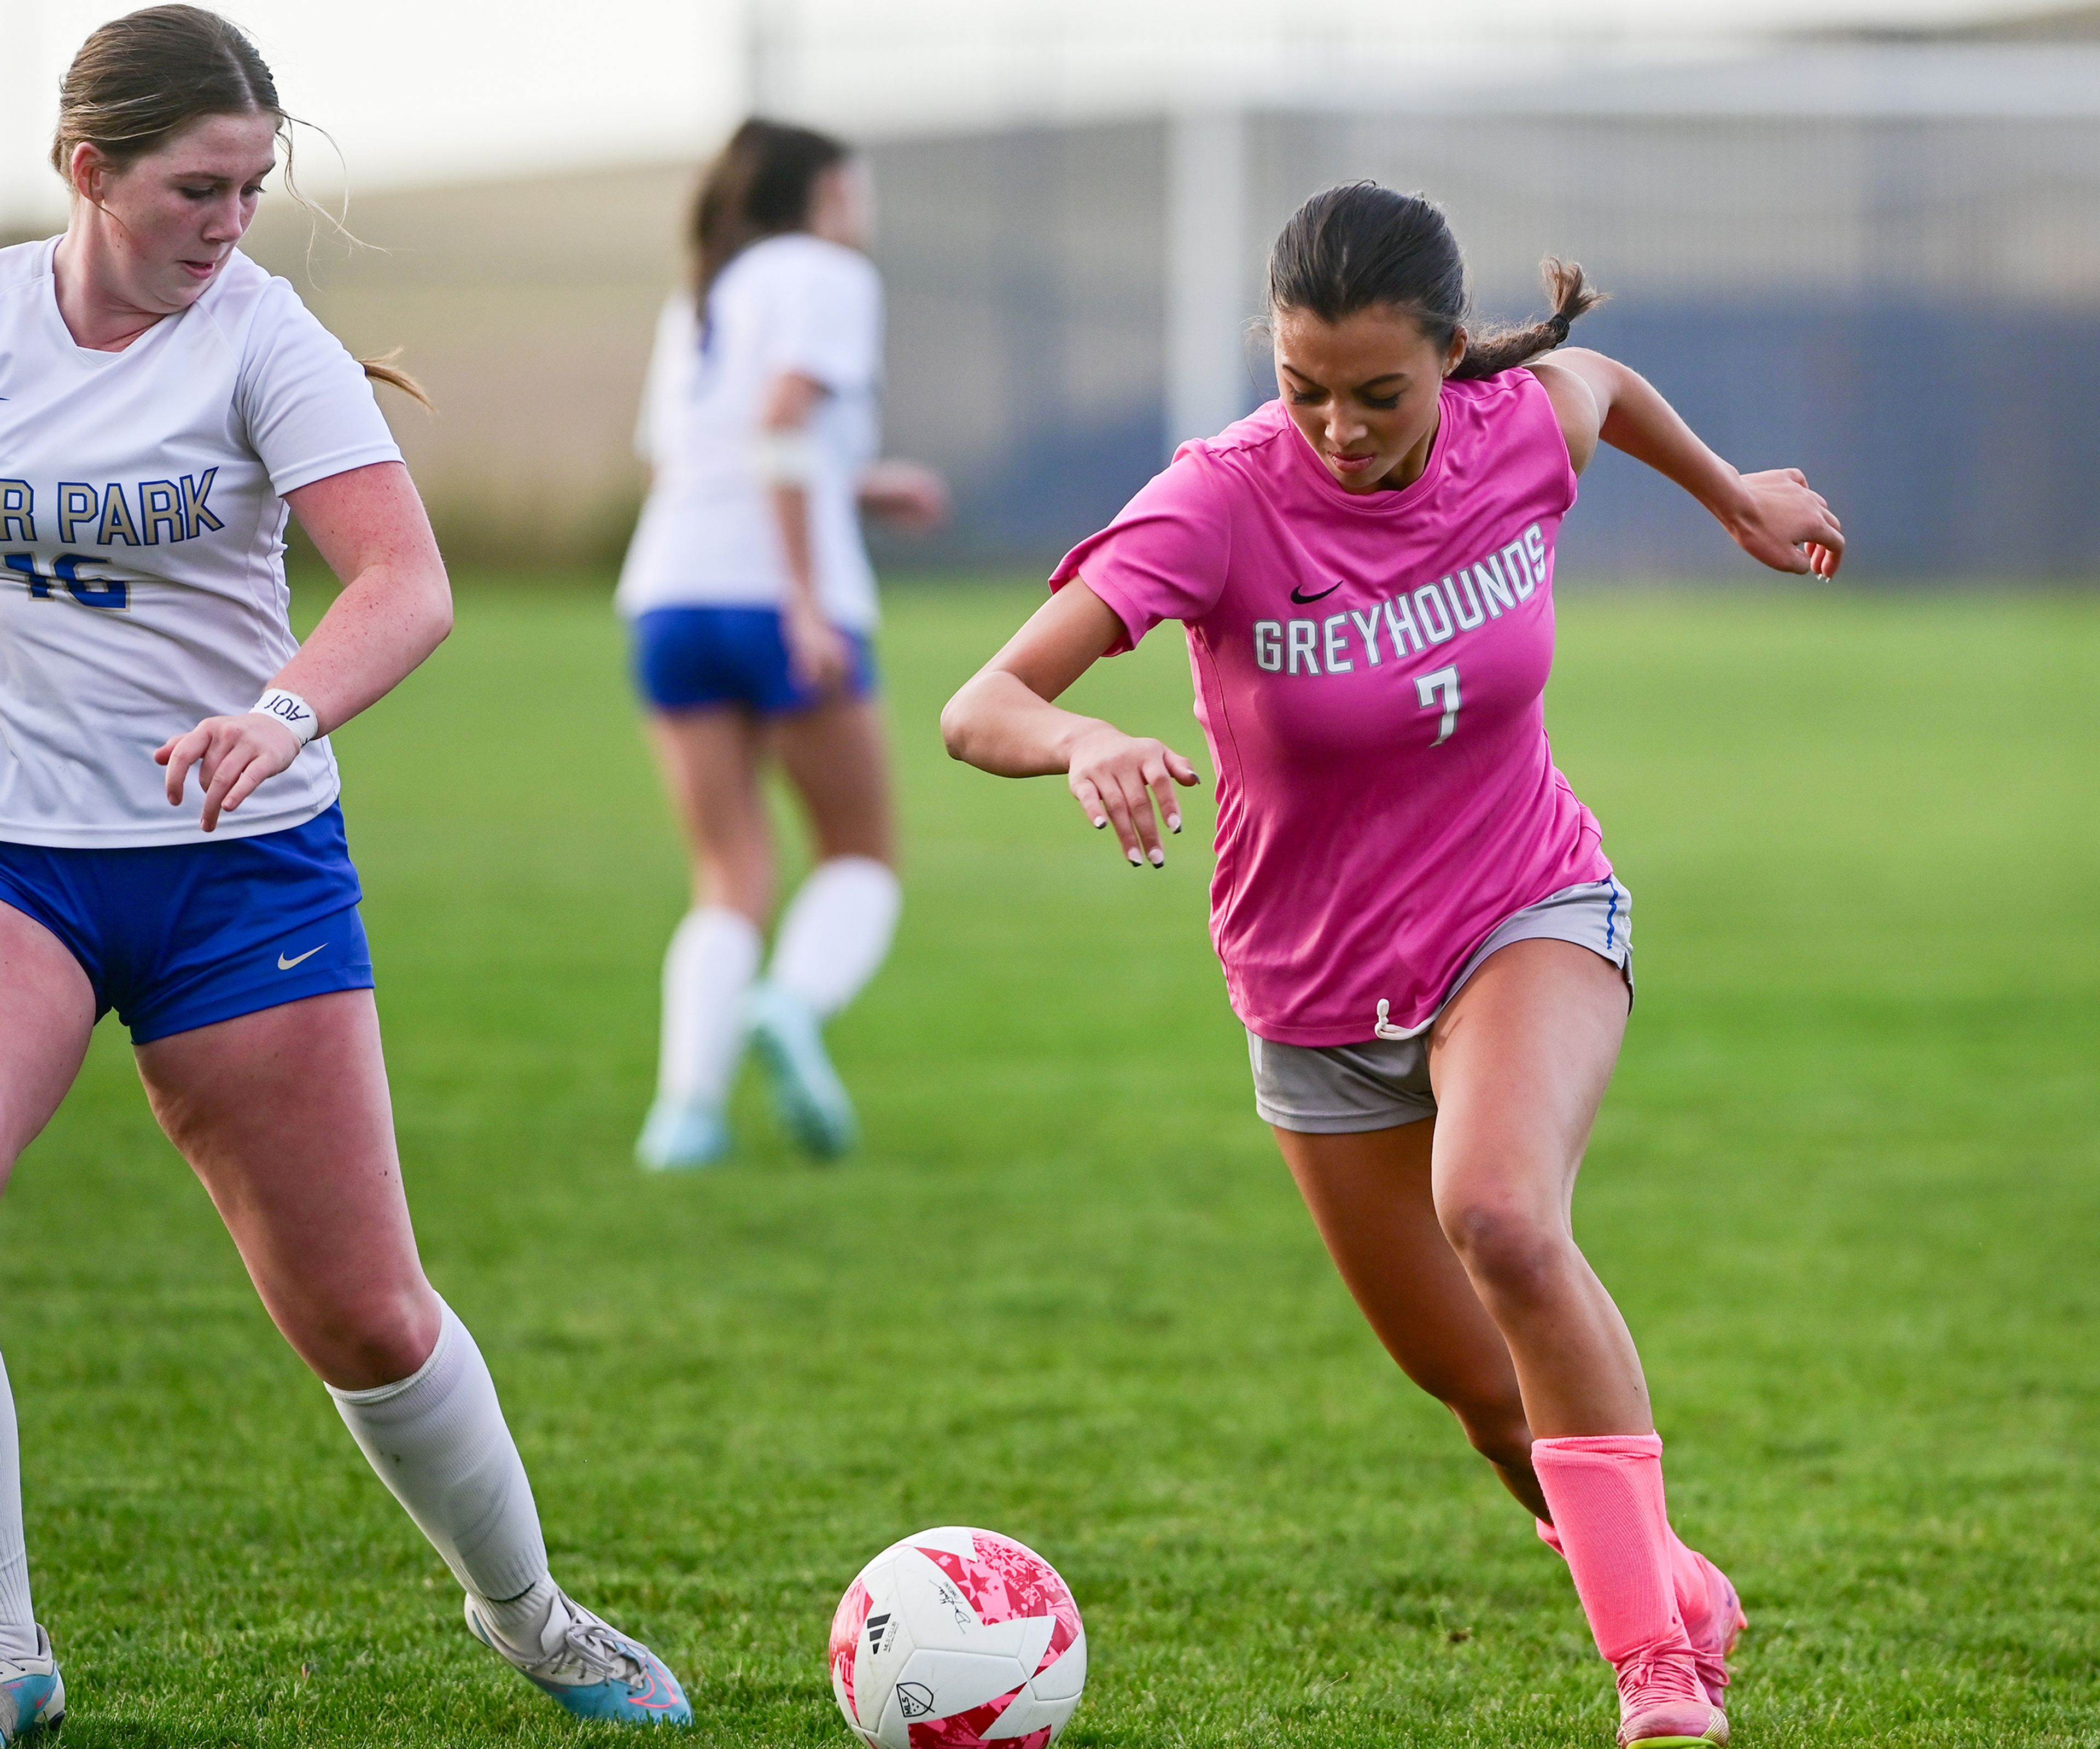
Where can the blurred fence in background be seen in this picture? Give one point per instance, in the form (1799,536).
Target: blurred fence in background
(1881,264)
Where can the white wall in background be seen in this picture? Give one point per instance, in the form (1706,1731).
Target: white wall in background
(1208,281)
(432,91)
(420,92)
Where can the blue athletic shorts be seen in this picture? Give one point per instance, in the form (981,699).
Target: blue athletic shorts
(175,936)
(690,658)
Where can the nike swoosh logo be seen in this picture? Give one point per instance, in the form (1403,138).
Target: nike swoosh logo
(285,964)
(1304,600)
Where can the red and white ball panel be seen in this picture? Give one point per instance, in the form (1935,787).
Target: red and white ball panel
(954,1639)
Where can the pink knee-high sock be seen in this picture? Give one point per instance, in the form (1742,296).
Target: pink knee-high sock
(1694,1595)
(1606,1494)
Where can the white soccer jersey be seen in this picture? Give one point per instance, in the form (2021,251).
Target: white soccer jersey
(141,572)
(708,537)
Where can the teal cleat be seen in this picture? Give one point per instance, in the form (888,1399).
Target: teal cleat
(593,1669)
(811,1099)
(32,1693)
(680,1137)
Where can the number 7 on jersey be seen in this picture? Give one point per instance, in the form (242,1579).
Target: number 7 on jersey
(1441,688)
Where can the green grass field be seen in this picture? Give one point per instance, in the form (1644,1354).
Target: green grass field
(1844,1187)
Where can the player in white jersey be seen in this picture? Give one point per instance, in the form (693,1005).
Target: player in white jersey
(164,405)
(753,603)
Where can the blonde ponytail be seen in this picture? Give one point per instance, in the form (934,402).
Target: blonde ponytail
(381,369)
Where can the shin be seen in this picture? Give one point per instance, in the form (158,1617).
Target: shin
(47,1015)
(1369,1193)
(437,1440)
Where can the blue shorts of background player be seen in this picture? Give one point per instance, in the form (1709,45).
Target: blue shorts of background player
(177,936)
(691,658)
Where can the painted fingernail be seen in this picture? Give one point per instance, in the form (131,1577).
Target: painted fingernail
(1174,822)
(1159,859)
(1136,860)
(1100,822)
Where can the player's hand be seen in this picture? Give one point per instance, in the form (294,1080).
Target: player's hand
(818,655)
(231,754)
(1119,780)
(1780,523)
(907,493)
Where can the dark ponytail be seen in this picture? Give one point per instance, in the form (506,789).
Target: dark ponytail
(762,184)
(1358,246)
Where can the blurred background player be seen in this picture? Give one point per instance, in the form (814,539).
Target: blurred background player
(165,402)
(1417,923)
(753,608)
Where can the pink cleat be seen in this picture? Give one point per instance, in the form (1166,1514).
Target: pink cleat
(1713,1635)
(1663,1705)
(1712,1618)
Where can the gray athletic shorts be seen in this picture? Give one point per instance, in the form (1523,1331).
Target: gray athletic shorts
(1338,1089)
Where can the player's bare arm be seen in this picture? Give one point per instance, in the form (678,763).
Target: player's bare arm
(1773,516)
(908,495)
(1006,721)
(396,607)
(814,646)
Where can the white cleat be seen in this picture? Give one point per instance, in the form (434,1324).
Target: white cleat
(32,1692)
(813,1102)
(682,1138)
(589,1666)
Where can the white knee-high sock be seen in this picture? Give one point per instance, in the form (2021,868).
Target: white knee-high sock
(18,1622)
(437,1440)
(837,931)
(712,958)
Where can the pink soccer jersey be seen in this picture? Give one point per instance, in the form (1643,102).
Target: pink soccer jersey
(1369,672)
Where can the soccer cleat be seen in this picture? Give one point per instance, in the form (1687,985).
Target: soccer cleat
(591,1667)
(812,1100)
(32,1692)
(1714,1636)
(678,1137)
(1662,1705)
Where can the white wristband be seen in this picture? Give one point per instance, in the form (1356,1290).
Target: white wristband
(290,710)
(784,458)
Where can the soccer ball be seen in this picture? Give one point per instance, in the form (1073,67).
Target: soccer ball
(956,1638)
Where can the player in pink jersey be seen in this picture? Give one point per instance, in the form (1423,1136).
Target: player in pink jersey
(1416,918)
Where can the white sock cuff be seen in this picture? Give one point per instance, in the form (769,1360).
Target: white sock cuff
(720,928)
(380,1394)
(859,867)
(867,875)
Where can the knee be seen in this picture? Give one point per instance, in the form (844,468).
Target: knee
(1510,1252)
(1497,1431)
(374,1340)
